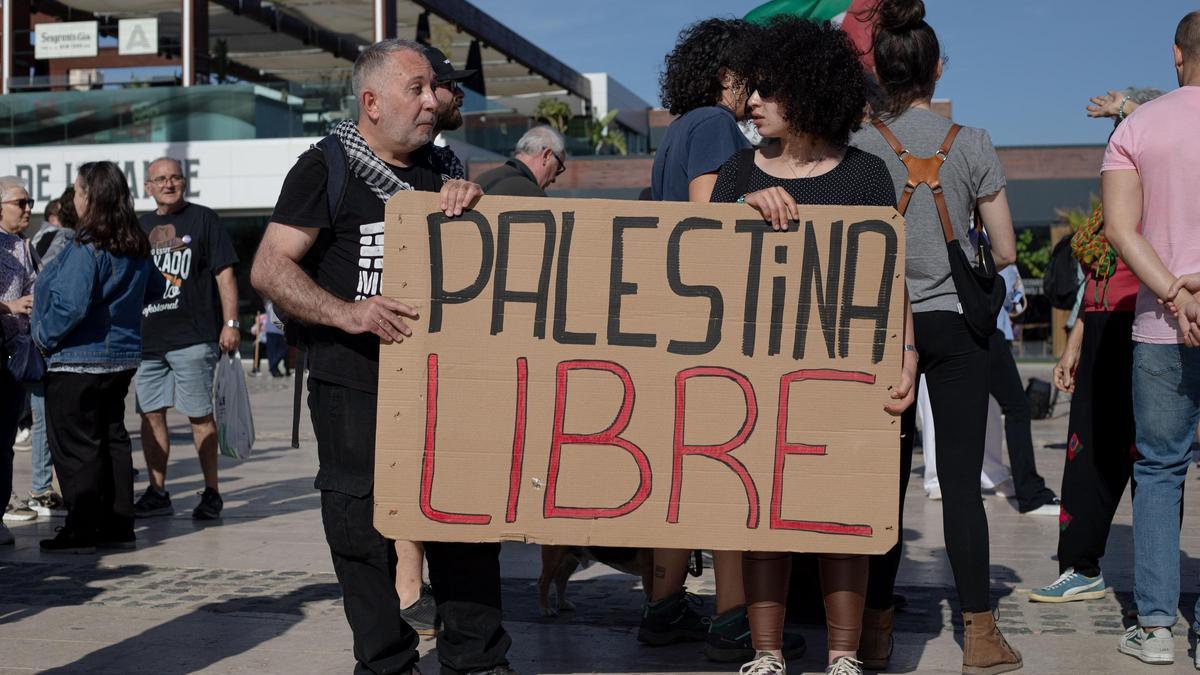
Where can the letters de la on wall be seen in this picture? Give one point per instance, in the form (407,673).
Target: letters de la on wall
(641,374)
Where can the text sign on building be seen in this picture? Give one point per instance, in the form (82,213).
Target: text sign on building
(71,39)
(633,373)
(137,36)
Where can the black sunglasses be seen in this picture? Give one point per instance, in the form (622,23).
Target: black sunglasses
(562,166)
(764,88)
(21,203)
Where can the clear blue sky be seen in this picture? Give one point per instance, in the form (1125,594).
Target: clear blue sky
(1023,69)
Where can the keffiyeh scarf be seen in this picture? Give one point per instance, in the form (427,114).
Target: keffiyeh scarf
(365,164)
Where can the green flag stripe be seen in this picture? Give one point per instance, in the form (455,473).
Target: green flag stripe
(815,10)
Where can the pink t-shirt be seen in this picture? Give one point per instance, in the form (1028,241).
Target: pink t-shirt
(1161,141)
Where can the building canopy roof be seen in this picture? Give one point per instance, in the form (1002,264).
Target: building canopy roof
(317,40)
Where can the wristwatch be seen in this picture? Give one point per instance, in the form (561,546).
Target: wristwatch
(233,323)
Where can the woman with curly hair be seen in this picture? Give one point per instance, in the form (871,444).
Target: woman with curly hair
(809,114)
(954,359)
(704,84)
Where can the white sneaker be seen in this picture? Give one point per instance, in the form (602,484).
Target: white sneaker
(1155,646)
(764,663)
(845,666)
(934,492)
(6,536)
(24,440)
(18,510)
(1051,509)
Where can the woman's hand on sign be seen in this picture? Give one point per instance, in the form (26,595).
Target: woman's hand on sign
(458,196)
(379,315)
(904,393)
(776,206)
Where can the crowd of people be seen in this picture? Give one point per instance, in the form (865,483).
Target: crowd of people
(102,301)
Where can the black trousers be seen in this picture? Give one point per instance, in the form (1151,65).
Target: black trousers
(1100,440)
(955,364)
(1007,390)
(465,577)
(12,396)
(85,427)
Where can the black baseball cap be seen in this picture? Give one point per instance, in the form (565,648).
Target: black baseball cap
(443,69)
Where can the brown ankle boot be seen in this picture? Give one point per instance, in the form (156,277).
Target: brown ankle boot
(985,651)
(875,645)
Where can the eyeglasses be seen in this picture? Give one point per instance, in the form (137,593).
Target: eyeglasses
(21,203)
(449,85)
(562,166)
(163,180)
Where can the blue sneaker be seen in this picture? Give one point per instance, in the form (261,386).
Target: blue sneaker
(1069,587)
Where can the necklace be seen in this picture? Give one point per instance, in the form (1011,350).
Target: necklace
(811,170)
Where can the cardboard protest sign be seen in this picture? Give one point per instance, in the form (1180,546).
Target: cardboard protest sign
(641,374)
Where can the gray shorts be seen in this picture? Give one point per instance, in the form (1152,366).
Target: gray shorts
(181,379)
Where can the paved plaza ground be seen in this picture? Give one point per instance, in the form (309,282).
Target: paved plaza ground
(255,592)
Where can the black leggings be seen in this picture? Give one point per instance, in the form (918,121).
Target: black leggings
(1007,390)
(1100,440)
(956,369)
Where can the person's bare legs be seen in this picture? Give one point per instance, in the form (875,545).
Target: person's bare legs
(670,571)
(727,572)
(156,447)
(410,563)
(204,435)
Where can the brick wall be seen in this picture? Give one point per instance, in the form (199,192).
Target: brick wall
(1020,163)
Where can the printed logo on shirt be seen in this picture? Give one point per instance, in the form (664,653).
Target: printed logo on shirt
(173,257)
(370,260)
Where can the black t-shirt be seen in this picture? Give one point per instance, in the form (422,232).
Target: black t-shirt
(347,258)
(189,248)
(861,179)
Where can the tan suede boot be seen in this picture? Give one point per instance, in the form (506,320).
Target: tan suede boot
(875,645)
(985,651)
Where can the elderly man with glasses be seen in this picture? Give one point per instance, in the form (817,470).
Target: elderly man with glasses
(538,161)
(183,333)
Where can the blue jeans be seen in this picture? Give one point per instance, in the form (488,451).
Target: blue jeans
(1166,408)
(43,464)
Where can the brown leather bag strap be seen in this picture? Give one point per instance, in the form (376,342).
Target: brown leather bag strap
(923,171)
(939,198)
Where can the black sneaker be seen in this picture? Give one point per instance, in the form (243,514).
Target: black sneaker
(153,503)
(210,505)
(68,541)
(672,620)
(117,539)
(728,639)
(421,616)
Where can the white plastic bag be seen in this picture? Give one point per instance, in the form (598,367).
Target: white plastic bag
(231,407)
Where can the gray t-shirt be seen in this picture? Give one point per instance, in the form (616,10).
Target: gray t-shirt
(972,170)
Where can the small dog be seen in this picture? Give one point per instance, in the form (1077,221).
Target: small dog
(560,562)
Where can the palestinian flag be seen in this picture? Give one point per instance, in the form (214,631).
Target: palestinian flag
(851,15)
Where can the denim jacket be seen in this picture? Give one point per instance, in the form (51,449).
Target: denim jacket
(87,306)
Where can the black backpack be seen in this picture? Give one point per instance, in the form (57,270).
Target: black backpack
(1061,281)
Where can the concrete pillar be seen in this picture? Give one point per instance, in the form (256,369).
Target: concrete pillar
(193,40)
(385,19)
(6,45)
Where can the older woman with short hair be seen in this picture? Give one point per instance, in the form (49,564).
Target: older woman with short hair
(17,275)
